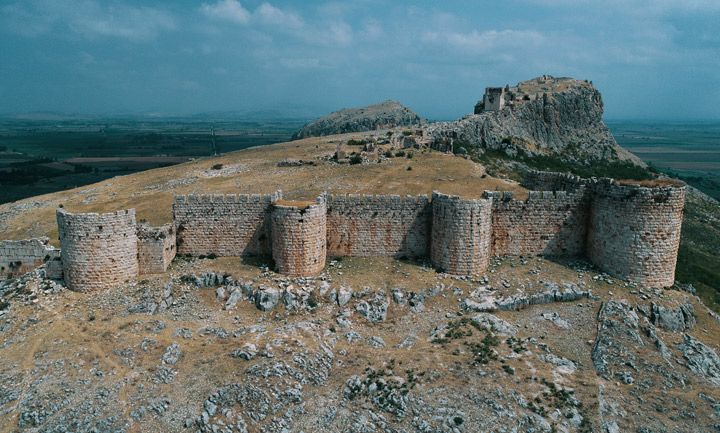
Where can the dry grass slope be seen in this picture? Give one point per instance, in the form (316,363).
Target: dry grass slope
(253,170)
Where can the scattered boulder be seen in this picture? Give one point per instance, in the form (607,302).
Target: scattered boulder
(493,323)
(673,319)
(246,352)
(701,359)
(376,309)
(266,298)
(344,295)
(172,354)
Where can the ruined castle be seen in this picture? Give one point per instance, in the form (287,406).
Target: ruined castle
(628,230)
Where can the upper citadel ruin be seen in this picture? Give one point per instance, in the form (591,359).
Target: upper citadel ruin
(628,230)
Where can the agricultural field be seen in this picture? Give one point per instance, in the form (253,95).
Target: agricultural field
(689,151)
(43,156)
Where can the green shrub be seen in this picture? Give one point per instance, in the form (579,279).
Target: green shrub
(400,153)
(356,159)
(407,133)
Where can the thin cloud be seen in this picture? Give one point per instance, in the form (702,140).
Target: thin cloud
(226,10)
(87,18)
(269,14)
(486,41)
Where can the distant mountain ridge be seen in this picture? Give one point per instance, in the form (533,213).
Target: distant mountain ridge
(387,114)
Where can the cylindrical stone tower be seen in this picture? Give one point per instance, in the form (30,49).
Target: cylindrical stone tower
(461,234)
(634,231)
(299,237)
(99,251)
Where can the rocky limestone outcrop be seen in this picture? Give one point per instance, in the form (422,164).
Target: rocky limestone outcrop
(388,114)
(559,117)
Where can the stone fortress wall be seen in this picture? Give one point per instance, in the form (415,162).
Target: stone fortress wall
(378,225)
(634,232)
(461,234)
(157,247)
(20,257)
(299,237)
(98,251)
(225,225)
(551,223)
(629,230)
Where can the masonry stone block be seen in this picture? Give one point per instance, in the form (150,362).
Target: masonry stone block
(299,237)
(98,251)
(461,234)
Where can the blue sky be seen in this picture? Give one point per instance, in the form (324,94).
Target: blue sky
(651,59)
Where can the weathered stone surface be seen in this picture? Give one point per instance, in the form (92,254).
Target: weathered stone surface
(156,248)
(388,114)
(20,257)
(461,234)
(344,295)
(99,251)
(562,118)
(701,359)
(374,310)
(493,323)
(266,298)
(673,319)
(299,237)
(634,232)
(390,225)
(618,336)
(224,225)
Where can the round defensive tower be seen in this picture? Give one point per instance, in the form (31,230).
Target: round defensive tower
(634,230)
(299,237)
(98,251)
(461,234)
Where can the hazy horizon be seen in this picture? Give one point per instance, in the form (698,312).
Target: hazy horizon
(178,58)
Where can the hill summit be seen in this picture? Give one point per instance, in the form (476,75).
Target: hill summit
(388,114)
(545,116)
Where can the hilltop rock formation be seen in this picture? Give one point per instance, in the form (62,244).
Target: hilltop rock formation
(558,117)
(388,114)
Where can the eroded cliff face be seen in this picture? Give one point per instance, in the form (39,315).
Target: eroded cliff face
(559,117)
(388,114)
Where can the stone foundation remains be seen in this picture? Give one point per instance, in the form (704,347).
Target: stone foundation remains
(631,231)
